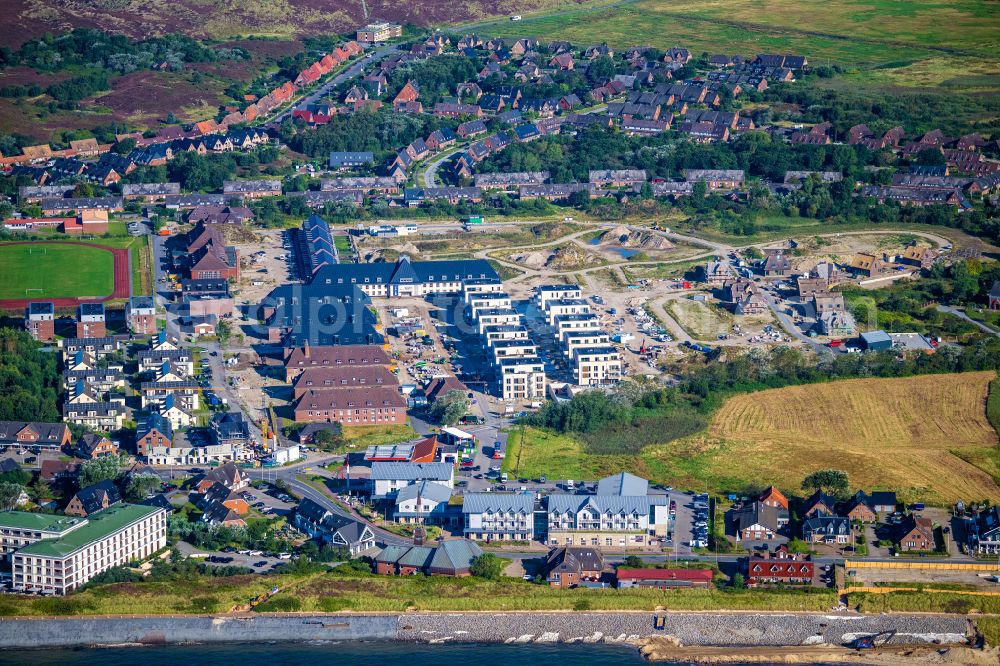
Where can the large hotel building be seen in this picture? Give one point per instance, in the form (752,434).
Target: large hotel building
(57,554)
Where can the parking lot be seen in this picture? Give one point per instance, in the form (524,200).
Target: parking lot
(268,261)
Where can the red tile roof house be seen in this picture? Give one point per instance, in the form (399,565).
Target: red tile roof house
(915,533)
(781,568)
(664,578)
(773,497)
(408,93)
(229,475)
(568,566)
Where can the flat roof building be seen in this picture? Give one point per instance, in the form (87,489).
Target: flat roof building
(117,535)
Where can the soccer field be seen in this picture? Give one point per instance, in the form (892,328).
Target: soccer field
(55,270)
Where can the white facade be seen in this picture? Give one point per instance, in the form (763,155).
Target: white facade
(193,455)
(555,292)
(565,306)
(65,564)
(597,366)
(522,378)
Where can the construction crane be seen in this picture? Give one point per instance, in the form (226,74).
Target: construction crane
(874,640)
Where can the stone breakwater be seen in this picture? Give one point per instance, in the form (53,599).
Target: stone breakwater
(721,629)
(693,629)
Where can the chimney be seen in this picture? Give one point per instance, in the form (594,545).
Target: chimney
(419,535)
(305,349)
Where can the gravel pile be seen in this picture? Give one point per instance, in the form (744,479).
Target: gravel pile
(723,629)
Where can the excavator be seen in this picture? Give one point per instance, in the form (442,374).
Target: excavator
(873,641)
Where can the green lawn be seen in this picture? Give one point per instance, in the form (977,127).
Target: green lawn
(52,271)
(532,452)
(343,245)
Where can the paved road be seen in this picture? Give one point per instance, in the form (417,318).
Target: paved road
(322,91)
(961,315)
(791,329)
(430,175)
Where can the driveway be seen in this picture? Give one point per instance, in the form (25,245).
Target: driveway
(961,315)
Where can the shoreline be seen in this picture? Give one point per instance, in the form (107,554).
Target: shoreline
(732,632)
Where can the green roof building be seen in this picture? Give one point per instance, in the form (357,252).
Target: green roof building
(63,561)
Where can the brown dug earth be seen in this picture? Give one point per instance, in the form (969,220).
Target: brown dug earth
(667,649)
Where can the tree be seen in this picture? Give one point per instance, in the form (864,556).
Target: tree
(450,407)
(223,329)
(141,486)
(328,438)
(832,481)
(9,494)
(99,469)
(124,147)
(40,489)
(487,566)
(634,562)
(83,190)
(738,582)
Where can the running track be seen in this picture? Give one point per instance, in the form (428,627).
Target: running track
(122,279)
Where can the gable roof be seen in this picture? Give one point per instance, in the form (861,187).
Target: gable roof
(435,492)
(93,498)
(623,484)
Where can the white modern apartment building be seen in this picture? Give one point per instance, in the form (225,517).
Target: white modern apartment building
(195,455)
(597,366)
(497,317)
(499,516)
(117,535)
(555,292)
(481,302)
(20,528)
(573,340)
(493,334)
(563,324)
(565,306)
(521,378)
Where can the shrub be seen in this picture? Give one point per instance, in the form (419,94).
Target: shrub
(280,605)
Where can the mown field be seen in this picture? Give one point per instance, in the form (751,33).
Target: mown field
(52,271)
(923,43)
(927,437)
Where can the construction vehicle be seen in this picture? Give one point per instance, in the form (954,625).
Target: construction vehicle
(873,641)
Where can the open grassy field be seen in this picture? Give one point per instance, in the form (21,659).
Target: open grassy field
(702,320)
(923,43)
(332,592)
(52,271)
(927,437)
(532,452)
